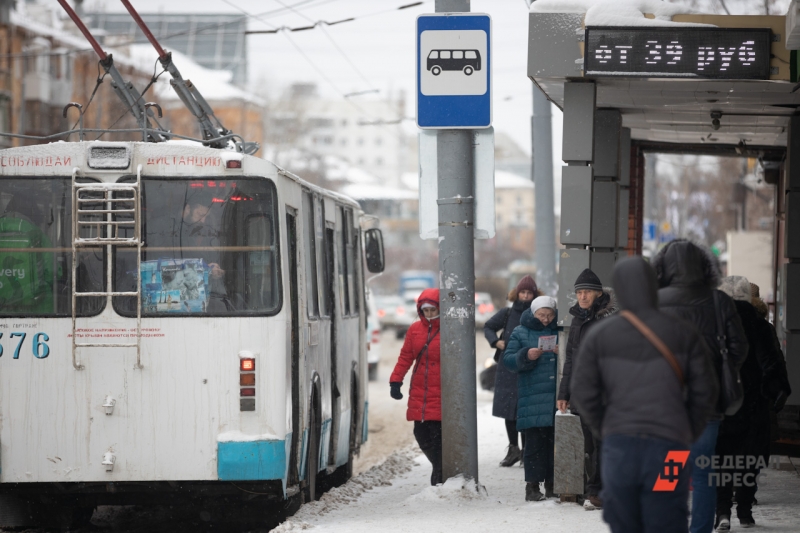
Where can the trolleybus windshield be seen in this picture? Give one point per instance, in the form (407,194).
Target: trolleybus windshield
(210,248)
(36,251)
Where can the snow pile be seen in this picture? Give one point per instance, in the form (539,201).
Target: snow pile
(617,12)
(455,490)
(380,475)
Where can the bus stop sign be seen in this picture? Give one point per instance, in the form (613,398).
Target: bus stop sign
(454,81)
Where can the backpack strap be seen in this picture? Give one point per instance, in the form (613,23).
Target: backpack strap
(505,321)
(656,342)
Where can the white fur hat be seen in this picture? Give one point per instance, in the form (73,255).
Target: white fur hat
(543,301)
(737,287)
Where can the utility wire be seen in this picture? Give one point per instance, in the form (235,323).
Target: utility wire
(313,66)
(321,23)
(335,45)
(207,27)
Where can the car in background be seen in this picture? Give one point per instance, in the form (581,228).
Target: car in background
(373,338)
(396,313)
(484,308)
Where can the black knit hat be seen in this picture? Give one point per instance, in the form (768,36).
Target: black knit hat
(588,280)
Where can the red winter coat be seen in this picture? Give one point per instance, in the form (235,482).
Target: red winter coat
(425,397)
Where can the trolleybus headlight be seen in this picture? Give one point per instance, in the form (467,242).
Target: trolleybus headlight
(248,392)
(246,380)
(247,365)
(233,163)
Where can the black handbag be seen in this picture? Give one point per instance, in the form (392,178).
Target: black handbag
(488,376)
(731,393)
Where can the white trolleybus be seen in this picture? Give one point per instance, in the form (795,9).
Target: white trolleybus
(179,321)
(176,319)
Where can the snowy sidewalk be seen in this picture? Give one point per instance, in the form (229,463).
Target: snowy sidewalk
(396,496)
(411,505)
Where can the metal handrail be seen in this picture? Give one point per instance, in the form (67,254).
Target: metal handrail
(78,242)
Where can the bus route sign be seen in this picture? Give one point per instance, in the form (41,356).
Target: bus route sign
(454,81)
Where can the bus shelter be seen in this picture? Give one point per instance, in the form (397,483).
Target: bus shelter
(674,83)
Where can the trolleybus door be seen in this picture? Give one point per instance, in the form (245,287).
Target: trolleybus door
(294,363)
(318,314)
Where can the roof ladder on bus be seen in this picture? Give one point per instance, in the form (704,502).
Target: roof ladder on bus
(99,211)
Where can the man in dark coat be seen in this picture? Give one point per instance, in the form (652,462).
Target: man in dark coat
(594,304)
(689,276)
(746,433)
(629,394)
(504,404)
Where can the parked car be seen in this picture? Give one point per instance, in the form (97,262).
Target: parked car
(484,308)
(373,338)
(396,313)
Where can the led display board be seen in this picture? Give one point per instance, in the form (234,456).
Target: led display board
(678,52)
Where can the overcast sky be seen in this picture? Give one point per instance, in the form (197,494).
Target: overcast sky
(375,51)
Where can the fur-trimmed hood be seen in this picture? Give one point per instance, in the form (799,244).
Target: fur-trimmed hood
(737,287)
(610,307)
(684,263)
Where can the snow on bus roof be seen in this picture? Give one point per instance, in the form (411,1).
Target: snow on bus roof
(617,12)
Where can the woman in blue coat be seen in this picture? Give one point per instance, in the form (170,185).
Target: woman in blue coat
(537,366)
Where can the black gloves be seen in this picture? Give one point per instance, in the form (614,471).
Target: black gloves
(395,392)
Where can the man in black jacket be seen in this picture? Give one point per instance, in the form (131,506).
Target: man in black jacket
(630,396)
(594,303)
(689,276)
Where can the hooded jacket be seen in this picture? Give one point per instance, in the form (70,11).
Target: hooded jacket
(421,349)
(536,404)
(604,306)
(623,385)
(688,276)
(504,401)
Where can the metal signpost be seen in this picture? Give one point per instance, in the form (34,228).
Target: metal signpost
(454,97)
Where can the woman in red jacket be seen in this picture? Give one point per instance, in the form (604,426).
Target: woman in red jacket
(421,348)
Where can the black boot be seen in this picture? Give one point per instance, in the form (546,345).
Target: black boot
(746,519)
(548,490)
(532,493)
(514,454)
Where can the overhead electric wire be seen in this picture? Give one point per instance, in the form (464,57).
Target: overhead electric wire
(315,66)
(322,23)
(204,28)
(336,46)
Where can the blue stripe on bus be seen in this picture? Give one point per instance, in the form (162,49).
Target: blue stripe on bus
(255,460)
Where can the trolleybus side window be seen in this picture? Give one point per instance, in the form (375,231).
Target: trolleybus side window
(358,287)
(36,250)
(349,256)
(344,287)
(322,256)
(210,248)
(312,292)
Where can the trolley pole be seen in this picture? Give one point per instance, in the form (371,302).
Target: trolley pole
(455,169)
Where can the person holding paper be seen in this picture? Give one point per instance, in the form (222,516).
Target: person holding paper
(533,354)
(497,331)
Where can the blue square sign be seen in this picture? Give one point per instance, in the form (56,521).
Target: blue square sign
(454,75)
